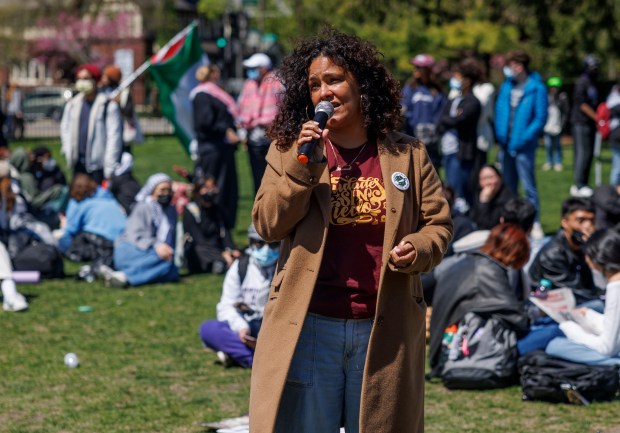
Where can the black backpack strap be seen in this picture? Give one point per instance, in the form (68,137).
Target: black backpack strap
(244,260)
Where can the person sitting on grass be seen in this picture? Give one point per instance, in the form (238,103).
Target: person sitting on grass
(93,221)
(562,261)
(240,310)
(599,344)
(144,253)
(208,243)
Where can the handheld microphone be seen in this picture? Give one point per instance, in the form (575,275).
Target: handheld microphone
(322,112)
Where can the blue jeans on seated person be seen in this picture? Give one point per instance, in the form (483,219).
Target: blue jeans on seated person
(541,333)
(143,266)
(324,383)
(564,348)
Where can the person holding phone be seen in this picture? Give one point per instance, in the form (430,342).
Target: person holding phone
(240,310)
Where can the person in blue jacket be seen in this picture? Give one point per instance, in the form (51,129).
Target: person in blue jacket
(520,116)
(93,221)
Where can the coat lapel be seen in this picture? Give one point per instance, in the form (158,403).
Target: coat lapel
(390,164)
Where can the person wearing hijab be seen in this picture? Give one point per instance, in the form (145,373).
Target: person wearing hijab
(144,253)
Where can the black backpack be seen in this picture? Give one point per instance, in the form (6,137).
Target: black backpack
(546,378)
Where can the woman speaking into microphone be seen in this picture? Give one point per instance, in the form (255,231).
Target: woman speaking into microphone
(342,340)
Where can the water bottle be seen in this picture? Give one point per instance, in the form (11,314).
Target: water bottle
(543,288)
(71,360)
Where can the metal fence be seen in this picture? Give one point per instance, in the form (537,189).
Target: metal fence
(48,128)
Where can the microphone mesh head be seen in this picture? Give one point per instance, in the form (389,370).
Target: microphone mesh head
(326,107)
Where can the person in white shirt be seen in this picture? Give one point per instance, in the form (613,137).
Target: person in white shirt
(597,340)
(240,310)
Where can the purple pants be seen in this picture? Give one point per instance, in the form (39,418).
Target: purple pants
(219,337)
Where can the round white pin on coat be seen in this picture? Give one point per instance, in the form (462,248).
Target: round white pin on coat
(400,181)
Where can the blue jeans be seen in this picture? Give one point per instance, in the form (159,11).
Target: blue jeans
(583,138)
(614,176)
(538,338)
(554,150)
(564,348)
(324,383)
(458,174)
(521,166)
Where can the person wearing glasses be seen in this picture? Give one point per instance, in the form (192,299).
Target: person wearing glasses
(240,310)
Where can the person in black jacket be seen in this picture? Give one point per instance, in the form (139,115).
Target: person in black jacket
(217,139)
(208,244)
(458,125)
(561,260)
(479,282)
(492,196)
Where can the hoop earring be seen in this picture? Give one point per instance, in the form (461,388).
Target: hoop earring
(363,102)
(307,113)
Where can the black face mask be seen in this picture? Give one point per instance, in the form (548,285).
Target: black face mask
(164,199)
(577,238)
(209,197)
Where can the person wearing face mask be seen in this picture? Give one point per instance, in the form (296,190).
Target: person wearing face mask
(458,126)
(91,128)
(257,107)
(583,120)
(562,260)
(43,185)
(599,343)
(144,253)
(520,116)
(240,310)
(214,113)
(208,244)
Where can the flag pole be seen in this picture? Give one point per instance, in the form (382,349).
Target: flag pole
(144,66)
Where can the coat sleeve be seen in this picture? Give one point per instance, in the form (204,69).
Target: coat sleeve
(114,139)
(283,198)
(434,229)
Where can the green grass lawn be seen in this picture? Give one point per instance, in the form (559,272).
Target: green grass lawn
(143,369)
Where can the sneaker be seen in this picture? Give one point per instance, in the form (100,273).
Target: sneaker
(111,277)
(574,191)
(546,166)
(16,303)
(224,359)
(558,167)
(537,231)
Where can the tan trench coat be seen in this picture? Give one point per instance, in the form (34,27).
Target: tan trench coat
(292,205)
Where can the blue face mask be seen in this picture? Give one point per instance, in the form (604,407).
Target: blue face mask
(265,256)
(252,74)
(508,73)
(455,84)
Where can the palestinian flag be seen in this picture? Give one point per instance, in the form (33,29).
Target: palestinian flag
(174,67)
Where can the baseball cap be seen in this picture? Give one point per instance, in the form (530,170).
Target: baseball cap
(423,61)
(258,60)
(92,69)
(253,234)
(554,82)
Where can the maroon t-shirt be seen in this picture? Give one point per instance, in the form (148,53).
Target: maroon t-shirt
(349,276)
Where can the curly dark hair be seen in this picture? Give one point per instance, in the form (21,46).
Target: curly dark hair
(380,92)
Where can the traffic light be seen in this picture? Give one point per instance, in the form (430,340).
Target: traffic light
(221,42)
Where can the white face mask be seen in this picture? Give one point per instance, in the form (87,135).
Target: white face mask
(84,86)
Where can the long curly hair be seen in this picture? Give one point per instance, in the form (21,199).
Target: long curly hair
(380,92)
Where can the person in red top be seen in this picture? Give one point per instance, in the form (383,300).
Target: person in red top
(343,338)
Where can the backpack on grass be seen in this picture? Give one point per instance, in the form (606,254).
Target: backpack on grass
(482,354)
(546,378)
